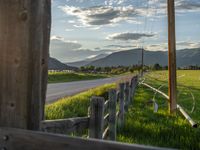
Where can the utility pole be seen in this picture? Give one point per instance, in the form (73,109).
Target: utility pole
(172,56)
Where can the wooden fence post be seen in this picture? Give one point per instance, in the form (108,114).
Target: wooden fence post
(96,117)
(24,43)
(121,105)
(127,96)
(45,52)
(133,85)
(132,89)
(112,114)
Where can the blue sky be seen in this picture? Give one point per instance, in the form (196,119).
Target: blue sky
(86,28)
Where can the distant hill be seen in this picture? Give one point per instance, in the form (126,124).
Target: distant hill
(54,64)
(185,57)
(86,61)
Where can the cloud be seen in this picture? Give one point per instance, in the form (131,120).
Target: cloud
(119,46)
(59,43)
(68,29)
(187,44)
(182,6)
(128,36)
(157,47)
(179,45)
(189,5)
(101,15)
(69,51)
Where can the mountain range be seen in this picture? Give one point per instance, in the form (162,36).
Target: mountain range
(55,64)
(87,61)
(185,57)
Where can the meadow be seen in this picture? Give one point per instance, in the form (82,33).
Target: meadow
(58,77)
(144,126)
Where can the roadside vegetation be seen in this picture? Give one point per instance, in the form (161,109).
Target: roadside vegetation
(75,106)
(57,77)
(143,126)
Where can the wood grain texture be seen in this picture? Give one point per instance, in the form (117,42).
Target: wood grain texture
(121,105)
(106,107)
(96,123)
(127,96)
(45,52)
(31,140)
(65,126)
(134,82)
(22,31)
(112,114)
(172,56)
(106,120)
(106,133)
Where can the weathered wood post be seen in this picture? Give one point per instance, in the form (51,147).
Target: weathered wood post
(127,96)
(45,52)
(112,114)
(172,56)
(132,87)
(121,105)
(24,43)
(96,117)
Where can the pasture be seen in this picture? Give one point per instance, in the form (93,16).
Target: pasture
(144,126)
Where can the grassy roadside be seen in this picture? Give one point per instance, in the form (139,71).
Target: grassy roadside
(57,77)
(143,126)
(75,106)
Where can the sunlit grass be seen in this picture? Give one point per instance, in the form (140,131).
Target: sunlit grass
(143,126)
(75,106)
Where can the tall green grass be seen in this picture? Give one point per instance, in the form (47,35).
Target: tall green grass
(188,83)
(143,126)
(75,106)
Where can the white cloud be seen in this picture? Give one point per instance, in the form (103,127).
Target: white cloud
(179,45)
(101,15)
(68,30)
(92,56)
(157,47)
(59,43)
(187,44)
(128,36)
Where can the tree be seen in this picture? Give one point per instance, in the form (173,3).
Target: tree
(157,67)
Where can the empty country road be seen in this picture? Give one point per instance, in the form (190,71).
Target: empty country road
(56,91)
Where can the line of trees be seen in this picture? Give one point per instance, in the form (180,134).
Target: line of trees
(133,68)
(110,70)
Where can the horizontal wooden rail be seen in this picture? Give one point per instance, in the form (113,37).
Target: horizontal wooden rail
(117,114)
(106,120)
(106,106)
(65,126)
(17,139)
(105,133)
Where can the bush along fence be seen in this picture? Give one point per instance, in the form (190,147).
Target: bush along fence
(104,118)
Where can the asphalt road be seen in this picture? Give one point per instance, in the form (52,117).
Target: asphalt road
(59,90)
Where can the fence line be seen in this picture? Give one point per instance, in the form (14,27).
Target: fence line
(103,118)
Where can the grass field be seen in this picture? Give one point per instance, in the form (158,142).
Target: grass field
(57,77)
(75,106)
(143,126)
